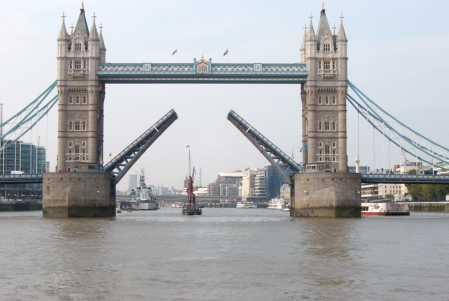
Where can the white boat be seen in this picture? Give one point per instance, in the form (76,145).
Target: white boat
(246,205)
(385,207)
(144,195)
(276,203)
(178,205)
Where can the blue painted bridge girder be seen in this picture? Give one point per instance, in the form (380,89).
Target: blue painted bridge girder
(405,179)
(203,72)
(283,164)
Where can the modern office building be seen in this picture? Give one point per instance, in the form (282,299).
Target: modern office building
(21,157)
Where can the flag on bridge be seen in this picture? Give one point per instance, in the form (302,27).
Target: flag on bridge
(174,52)
(226,52)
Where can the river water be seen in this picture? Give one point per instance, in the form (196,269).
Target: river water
(225,254)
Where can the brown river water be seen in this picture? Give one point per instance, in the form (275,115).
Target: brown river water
(225,254)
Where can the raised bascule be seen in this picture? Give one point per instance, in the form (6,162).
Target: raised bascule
(83,187)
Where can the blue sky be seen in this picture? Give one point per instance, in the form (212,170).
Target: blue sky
(397,56)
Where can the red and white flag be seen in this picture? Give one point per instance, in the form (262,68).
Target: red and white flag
(174,52)
(226,52)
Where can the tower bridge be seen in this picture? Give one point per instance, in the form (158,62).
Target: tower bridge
(84,186)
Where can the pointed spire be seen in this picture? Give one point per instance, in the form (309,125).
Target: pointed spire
(63,35)
(311,33)
(102,46)
(341,31)
(93,32)
(81,25)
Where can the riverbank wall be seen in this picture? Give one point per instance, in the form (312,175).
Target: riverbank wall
(429,206)
(20,206)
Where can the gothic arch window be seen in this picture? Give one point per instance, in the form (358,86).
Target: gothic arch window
(319,65)
(77,46)
(77,99)
(327,65)
(333,64)
(327,47)
(326,126)
(327,100)
(77,64)
(70,65)
(76,125)
(84,99)
(70,128)
(334,100)
(320,126)
(84,144)
(334,128)
(320,100)
(84,65)
(83,126)
(70,99)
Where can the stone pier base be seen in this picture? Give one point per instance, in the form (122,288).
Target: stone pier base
(78,194)
(326,195)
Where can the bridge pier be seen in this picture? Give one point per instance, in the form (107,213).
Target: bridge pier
(78,194)
(324,194)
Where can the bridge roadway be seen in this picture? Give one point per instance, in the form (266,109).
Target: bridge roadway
(366,178)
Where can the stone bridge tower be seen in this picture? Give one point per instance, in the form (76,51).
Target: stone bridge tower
(326,189)
(324,97)
(79,188)
(81,97)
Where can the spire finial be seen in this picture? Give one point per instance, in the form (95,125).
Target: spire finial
(82,5)
(63,16)
(341,17)
(71,27)
(334,28)
(94,17)
(322,5)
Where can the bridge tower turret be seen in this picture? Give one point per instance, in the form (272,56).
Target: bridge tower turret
(324,97)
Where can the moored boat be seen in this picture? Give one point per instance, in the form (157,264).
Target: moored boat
(385,207)
(276,203)
(144,195)
(246,205)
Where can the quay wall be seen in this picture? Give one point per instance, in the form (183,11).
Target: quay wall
(429,206)
(20,206)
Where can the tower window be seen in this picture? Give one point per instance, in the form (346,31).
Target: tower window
(77,64)
(70,99)
(77,99)
(333,65)
(334,100)
(84,99)
(77,125)
(77,46)
(320,144)
(326,126)
(327,100)
(327,47)
(319,126)
(70,129)
(327,65)
(334,145)
(83,126)
(84,144)
(70,65)
(320,101)
(84,65)
(319,65)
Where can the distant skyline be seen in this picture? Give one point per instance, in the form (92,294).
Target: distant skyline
(397,56)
